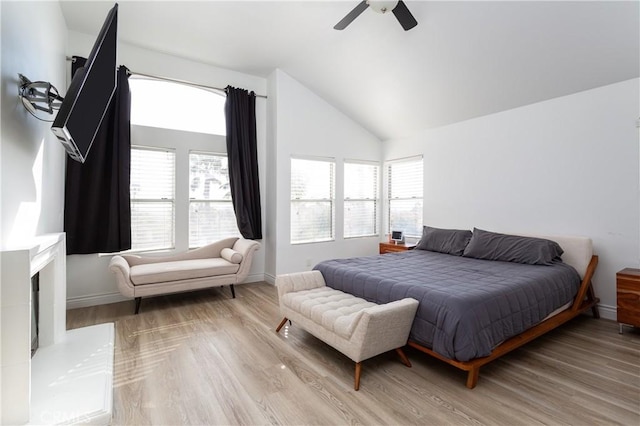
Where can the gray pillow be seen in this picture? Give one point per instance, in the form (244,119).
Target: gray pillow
(512,248)
(451,241)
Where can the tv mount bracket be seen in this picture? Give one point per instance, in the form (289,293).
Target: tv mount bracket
(39,95)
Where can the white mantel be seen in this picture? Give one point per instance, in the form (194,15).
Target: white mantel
(70,378)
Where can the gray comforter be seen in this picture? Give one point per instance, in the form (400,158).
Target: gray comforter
(467,306)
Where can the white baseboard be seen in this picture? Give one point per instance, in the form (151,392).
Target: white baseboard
(608,312)
(271,279)
(105,299)
(254,278)
(95,300)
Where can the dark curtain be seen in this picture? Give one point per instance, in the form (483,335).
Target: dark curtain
(240,114)
(97,210)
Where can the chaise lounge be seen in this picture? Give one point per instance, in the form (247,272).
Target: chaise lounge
(225,262)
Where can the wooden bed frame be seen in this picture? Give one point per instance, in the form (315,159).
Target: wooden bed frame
(585,299)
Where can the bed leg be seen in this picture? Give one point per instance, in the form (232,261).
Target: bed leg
(356,384)
(284,320)
(472,377)
(592,296)
(403,357)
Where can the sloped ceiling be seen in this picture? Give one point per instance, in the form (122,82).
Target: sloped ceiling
(463,60)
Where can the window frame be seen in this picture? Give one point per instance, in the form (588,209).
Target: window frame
(208,201)
(331,200)
(389,198)
(375,200)
(132,201)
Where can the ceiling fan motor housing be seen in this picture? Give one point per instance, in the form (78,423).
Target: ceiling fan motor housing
(382,6)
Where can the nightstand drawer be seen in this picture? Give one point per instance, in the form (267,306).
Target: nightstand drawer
(628,296)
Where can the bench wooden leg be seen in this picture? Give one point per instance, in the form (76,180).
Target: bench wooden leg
(284,320)
(356,385)
(138,302)
(403,357)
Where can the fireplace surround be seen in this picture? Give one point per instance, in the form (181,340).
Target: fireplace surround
(70,377)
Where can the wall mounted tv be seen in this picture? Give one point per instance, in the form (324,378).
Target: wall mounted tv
(89,95)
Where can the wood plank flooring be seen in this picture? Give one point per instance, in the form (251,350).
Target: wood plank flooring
(203,358)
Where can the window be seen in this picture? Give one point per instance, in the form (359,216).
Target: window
(404,186)
(360,199)
(152,199)
(158,103)
(211,215)
(180,184)
(312,200)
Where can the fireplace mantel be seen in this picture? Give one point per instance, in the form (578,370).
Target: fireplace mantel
(47,389)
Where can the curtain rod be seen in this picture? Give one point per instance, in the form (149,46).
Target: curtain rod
(189,83)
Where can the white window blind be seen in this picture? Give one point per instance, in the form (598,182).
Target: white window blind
(404,186)
(360,199)
(152,199)
(312,200)
(211,215)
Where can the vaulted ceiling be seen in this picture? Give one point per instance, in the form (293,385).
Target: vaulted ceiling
(463,60)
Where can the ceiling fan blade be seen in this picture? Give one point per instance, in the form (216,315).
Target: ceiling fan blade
(351,15)
(403,16)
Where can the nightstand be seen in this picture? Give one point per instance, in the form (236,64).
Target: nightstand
(392,247)
(628,297)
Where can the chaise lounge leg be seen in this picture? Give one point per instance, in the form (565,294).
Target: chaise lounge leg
(138,302)
(403,357)
(356,385)
(284,320)
(233,292)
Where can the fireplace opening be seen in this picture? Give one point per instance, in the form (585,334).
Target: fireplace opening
(35,312)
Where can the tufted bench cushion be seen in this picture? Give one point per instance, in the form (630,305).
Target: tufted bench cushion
(357,328)
(334,310)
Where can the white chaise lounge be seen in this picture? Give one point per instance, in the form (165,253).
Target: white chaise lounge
(225,262)
(355,327)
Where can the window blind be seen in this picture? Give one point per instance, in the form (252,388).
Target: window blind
(312,200)
(211,215)
(360,199)
(152,199)
(405,193)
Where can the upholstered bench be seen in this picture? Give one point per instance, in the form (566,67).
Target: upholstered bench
(355,327)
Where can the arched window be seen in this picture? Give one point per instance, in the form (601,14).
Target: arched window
(169,105)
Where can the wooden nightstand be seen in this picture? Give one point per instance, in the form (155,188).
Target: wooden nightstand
(628,297)
(392,247)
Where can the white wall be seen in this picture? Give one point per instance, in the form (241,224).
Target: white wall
(304,124)
(32,161)
(89,281)
(564,166)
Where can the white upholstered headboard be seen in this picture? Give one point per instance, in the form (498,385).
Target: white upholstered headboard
(577,250)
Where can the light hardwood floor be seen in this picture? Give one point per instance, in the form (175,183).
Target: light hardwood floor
(204,358)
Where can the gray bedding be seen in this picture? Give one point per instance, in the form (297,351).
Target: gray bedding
(467,306)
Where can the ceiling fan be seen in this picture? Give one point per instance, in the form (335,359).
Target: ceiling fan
(398,8)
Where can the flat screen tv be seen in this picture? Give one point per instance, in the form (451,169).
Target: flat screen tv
(89,95)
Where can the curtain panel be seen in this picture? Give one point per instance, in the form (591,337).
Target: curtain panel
(97,208)
(242,152)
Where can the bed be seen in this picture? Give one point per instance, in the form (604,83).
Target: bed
(473,309)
